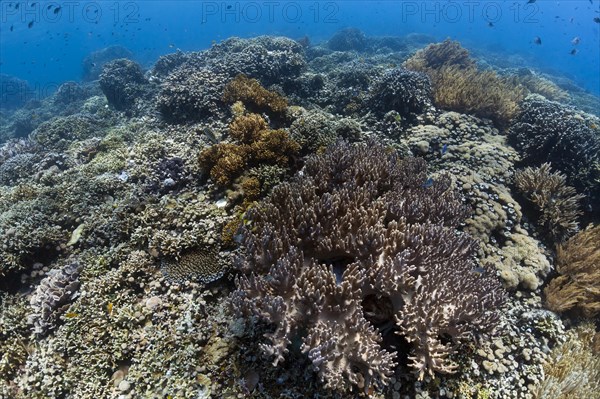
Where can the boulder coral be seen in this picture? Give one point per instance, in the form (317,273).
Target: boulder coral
(362,244)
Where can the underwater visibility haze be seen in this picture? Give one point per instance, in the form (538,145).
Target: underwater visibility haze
(300,199)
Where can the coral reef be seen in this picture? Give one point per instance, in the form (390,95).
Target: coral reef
(255,97)
(189,95)
(199,264)
(122,81)
(257,144)
(438,55)
(314,130)
(349,39)
(401,90)
(557,203)
(572,370)
(52,296)
(546,131)
(577,288)
(460,86)
(15,92)
(94,62)
(360,241)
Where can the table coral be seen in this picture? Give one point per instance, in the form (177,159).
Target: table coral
(357,246)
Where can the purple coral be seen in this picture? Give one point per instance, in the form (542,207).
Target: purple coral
(356,247)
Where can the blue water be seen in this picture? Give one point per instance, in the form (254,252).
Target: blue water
(52,49)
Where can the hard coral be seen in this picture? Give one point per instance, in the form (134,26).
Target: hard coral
(438,55)
(122,82)
(557,203)
(253,95)
(578,285)
(546,131)
(460,86)
(199,264)
(572,370)
(257,144)
(52,297)
(356,247)
(401,90)
(189,94)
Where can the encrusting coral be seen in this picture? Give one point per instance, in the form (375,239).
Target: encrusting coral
(577,287)
(557,203)
(359,245)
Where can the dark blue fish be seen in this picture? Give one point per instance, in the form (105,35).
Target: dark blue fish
(530,1)
(57,10)
(428,183)
(444,149)
(29,25)
(479,270)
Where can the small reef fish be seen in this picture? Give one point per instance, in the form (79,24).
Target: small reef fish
(574,51)
(428,183)
(479,270)
(576,40)
(530,1)
(537,40)
(30,24)
(71,315)
(491,24)
(597,20)
(444,149)
(57,10)
(109,307)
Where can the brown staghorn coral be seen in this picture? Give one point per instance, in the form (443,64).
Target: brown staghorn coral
(578,285)
(557,203)
(256,144)
(355,248)
(253,95)
(460,86)
(573,369)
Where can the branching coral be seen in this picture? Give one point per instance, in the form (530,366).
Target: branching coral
(401,90)
(253,95)
(460,86)
(557,203)
(572,371)
(578,285)
(437,55)
(256,144)
(546,131)
(354,248)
